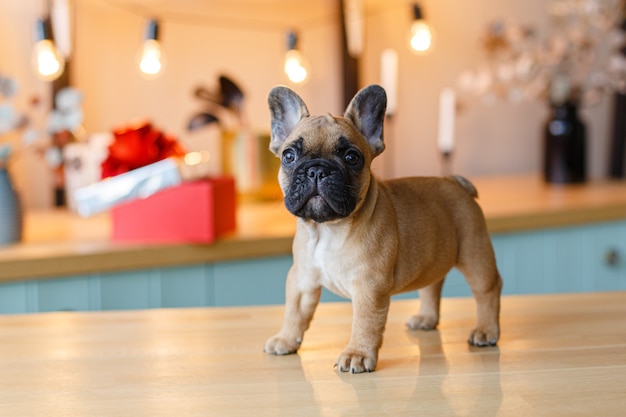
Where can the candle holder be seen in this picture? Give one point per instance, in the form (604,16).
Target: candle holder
(446,163)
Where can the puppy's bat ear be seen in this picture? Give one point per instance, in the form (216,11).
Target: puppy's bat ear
(367,112)
(286,109)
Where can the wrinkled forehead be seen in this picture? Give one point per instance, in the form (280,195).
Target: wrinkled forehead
(327,127)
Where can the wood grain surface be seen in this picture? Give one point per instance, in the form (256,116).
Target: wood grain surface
(559,355)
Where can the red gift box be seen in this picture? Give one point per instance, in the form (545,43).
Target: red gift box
(196,212)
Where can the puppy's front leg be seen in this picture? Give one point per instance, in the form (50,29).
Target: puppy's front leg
(301,301)
(368,324)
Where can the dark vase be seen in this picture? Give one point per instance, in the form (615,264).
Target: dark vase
(10,211)
(565,143)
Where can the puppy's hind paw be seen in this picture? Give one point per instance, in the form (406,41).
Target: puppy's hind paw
(279,345)
(422,322)
(483,338)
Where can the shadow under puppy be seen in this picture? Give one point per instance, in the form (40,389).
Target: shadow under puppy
(366,239)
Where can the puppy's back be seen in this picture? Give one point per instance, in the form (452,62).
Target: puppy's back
(449,192)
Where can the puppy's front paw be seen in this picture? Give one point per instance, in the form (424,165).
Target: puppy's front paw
(483,337)
(279,345)
(356,361)
(422,322)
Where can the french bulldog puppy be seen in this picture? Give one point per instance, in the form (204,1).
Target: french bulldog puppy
(366,239)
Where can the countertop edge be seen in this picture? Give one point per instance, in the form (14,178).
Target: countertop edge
(133,257)
(529,222)
(506,212)
(111,259)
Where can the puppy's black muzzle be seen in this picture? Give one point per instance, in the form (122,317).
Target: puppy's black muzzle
(320,190)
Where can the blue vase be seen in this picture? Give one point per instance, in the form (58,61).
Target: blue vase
(10,211)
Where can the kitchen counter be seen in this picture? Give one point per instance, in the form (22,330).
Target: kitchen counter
(558,355)
(59,243)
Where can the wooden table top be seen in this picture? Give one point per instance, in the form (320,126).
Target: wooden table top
(559,355)
(59,243)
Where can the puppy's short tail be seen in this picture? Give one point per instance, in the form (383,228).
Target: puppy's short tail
(465,184)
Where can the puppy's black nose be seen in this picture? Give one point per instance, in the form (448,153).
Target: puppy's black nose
(317,173)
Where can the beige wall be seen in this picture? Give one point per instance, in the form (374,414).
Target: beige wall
(108,40)
(491,139)
(502,138)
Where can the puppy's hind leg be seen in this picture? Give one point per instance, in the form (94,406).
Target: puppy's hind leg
(428,316)
(483,277)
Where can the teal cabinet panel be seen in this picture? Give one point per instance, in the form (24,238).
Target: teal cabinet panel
(562,260)
(13,298)
(129,290)
(526,262)
(606,239)
(455,285)
(530,258)
(190,286)
(65,294)
(553,251)
(258,281)
(504,247)
(411,295)
(572,263)
(61,293)
(544,261)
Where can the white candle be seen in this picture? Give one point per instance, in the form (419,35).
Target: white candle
(353,12)
(61,16)
(389,78)
(447,102)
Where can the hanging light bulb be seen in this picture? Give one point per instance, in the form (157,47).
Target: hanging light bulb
(151,61)
(48,63)
(421,34)
(296,67)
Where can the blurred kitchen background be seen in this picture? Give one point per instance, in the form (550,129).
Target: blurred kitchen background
(247,40)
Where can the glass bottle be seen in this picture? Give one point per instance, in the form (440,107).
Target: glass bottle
(565,137)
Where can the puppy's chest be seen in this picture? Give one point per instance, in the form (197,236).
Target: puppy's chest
(328,255)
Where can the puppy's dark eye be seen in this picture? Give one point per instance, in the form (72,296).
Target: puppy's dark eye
(289,156)
(352,158)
